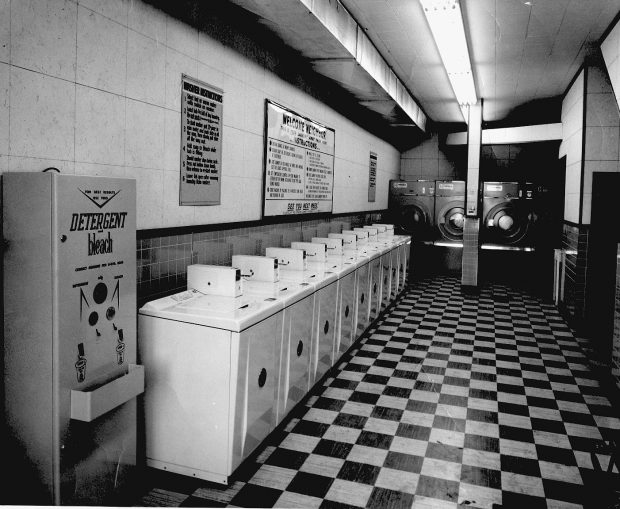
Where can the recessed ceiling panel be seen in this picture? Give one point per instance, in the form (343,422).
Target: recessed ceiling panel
(521,51)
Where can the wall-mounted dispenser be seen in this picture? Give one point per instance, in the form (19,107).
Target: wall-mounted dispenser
(69,338)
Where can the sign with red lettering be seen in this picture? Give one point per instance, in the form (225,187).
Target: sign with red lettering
(299,164)
(201,143)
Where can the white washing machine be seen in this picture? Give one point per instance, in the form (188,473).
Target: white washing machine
(405,253)
(298,301)
(328,325)
(362,283)
(386,279)
(212,367)
(375,287)
(323,331)
(347,293)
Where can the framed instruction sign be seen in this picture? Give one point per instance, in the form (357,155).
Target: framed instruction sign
(299,164)
(201,143)
(372,176)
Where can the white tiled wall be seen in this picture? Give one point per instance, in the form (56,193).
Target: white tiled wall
(602,133)
(610,48)
(572,147)
(93,87)
(426,161)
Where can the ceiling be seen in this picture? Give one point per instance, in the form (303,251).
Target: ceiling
(524,53)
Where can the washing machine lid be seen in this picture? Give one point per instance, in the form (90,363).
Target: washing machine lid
(384,247)
(341,265)
(374,249)
(284,291)
(317,278)
(234,314)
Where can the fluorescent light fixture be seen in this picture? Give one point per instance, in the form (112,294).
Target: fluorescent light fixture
(446,22)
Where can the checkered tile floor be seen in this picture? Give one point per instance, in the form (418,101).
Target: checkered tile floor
(450,401)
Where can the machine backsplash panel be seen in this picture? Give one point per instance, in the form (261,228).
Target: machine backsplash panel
(162,261)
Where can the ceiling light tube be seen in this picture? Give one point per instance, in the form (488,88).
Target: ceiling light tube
(446,23)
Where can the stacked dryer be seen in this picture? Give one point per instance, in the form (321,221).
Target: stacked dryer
(450,209)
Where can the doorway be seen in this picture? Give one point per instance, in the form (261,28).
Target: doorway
(602,259)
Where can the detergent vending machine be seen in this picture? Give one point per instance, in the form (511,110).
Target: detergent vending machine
(70,373)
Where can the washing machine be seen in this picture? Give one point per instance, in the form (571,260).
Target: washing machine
(412,205)
(212,372)
(450,209)
(505,219)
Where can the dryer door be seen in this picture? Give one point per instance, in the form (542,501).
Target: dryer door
(506,224)
(413,218)
(451,219)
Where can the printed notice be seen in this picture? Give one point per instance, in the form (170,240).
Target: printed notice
(299,164)
(372,177)
(201,143)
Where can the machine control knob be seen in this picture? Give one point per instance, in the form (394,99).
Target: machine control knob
(100,293)
(262,377)
(300,348)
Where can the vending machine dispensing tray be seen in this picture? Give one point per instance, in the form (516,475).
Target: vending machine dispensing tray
(88,405)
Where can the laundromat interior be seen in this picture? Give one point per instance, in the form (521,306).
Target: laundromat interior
(310,253)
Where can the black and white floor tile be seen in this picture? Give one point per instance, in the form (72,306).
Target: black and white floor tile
(450,401)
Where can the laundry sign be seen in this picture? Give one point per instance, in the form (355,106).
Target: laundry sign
(372,177)
(201,143)
(299,164)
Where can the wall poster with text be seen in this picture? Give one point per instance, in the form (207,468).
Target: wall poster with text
(201,143)
(299,164)
(372,176)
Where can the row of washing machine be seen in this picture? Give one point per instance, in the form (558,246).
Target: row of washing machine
(432,210)
(228,359)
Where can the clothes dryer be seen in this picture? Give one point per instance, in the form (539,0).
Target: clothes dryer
(412,204)
(504,219)
(450,209)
